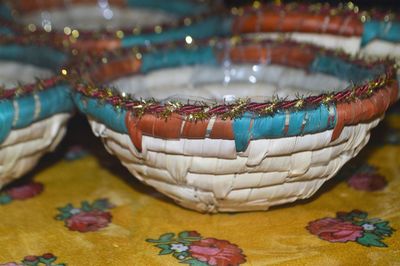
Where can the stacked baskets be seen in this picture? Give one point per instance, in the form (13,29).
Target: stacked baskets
(225,127)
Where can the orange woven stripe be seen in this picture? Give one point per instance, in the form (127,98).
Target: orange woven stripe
(395,91)
(194,130)
(363,110)
(160,127)
(134,132)
(270,21)
(96,45)
(290,55)
(116,69)
(222,129)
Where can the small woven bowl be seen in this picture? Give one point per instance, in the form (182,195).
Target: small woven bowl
(83,25)
(224,127)
(34,106)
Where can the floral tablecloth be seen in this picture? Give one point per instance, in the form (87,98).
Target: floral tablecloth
(81,207)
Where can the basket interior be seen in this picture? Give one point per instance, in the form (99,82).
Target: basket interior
(196,75)
(227,83)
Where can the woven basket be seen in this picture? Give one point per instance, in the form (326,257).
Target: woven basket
(34,107)
(343,27)
(234,127)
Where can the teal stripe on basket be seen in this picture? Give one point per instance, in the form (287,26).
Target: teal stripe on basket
(36,55)
(178,57)
(274,126)
(6,118)
(375,29)
(176,7)
(5,12)
(6,31)
(320,119)
(102,112)
(26,111)
(344,70)
(213,26)
(55,100)
(242,132)
(52,101)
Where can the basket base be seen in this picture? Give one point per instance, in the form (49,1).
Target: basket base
(22,148)
(214,184)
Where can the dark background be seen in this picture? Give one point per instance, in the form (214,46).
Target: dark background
(381,4)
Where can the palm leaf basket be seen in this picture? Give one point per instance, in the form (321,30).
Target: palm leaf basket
(34,107)
(224,127)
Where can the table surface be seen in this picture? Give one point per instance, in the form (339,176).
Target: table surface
(81,207)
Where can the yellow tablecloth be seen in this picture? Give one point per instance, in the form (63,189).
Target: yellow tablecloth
(112,219)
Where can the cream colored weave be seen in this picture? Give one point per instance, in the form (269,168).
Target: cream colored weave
(209,176)
(22,148)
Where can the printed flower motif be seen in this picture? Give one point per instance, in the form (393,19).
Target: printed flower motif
(47,259)
(351,226)
(189,247)
(88,218)
(21,192)
(88,221)
(367,178)
(216,252)
(25,191)
(179,247)
(335,230)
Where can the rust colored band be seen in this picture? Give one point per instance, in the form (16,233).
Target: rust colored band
(269,21)
(361,111)
(195,130)
(294,56)
(96,45)
(395,91)
(115,69)
(222,129)
(169,128)
(134,132)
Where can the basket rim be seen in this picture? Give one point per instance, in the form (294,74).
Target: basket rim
(203,110)
(31,88)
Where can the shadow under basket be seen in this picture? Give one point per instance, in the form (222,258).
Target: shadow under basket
(34,108)
(222,127)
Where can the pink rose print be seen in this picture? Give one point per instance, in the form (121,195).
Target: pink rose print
(216,252)
(189,247)
(87,218)
(335,230)
(367,181)
(88,221)
(352,226)
(25,191)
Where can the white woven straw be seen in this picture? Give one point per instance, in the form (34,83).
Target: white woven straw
(350,45)
(22,148)
(209,176)
(92,17)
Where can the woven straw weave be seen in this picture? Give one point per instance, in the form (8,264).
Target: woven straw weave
(245,162)
(22,148)
(209,176)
